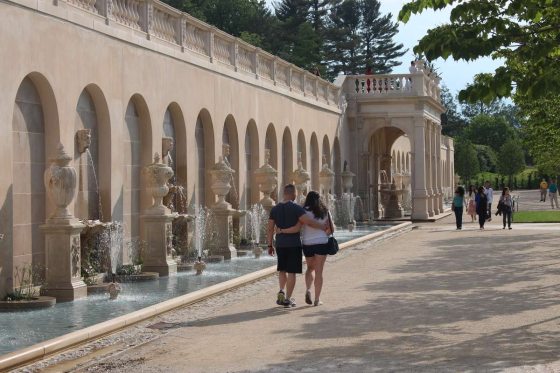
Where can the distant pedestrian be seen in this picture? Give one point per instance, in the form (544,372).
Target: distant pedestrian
(458,205)
(544,189)
(288,245)
(481,206)
(471,205)
(505,205)
(553,193)
(489,197)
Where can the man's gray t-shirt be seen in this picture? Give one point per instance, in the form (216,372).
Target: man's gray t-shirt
(286,215)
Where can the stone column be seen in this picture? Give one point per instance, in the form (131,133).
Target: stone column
(439,169)
(420,189)
(429,170)
(62,233)
(157,222)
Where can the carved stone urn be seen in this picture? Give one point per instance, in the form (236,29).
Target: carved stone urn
(62,233)
(267,179)
(347,177)
(326,178)
(221,183)
(60,182)
(300,177)
(157,175)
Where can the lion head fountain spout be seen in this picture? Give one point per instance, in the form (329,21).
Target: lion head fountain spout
(83,140)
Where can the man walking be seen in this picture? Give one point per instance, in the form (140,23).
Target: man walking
(489,195)
(544,189)
(288,245)
(553,191)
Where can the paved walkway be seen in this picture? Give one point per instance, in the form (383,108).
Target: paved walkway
(434,299)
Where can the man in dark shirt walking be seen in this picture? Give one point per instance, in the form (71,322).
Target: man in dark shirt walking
(284,215)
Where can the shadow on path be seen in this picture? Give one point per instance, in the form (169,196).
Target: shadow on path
(472,304)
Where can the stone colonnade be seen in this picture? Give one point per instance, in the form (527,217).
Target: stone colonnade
(132,93)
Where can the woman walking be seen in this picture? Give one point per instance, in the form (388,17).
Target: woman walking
(315,246)
(506,204)
(471,205)
(481,206)
(458,205)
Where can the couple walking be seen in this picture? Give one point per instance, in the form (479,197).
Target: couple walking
(287,219)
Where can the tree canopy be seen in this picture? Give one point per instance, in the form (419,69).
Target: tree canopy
(524,33)
(331,36)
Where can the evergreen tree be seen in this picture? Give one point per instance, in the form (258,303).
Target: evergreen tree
(377,33)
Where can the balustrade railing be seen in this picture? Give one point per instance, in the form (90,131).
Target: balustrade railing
(418,84)
(160,21)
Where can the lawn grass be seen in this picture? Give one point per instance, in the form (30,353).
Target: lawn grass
(536,216)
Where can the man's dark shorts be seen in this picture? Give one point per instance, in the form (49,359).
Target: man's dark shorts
(289,259)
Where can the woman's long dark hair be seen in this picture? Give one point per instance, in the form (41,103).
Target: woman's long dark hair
(314,204)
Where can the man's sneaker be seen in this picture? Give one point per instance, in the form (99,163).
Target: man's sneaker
(308,297)
(281,298)
(289,303)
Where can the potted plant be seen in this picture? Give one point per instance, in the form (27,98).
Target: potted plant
(26,296)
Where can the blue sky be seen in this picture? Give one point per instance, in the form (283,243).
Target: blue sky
(455,74)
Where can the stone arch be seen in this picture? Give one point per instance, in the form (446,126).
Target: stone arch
(337,167)
(315,162)
(174,126)
(252,162)
(302,148)
(137,154)
(93,167)
(287,157)
(35,134)
(326,150)
(231,138)
(205,155)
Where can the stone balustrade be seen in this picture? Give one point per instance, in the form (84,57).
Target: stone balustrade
(159,22)
(417,84)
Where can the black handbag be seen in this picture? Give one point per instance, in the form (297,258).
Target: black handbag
(332,244)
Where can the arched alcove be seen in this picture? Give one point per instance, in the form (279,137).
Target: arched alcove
(251,164)
(174,126)
(35,133)
(302,148)
(230,137)
(287,157)
(204,137)
(315,162)
(271,145)
(337,167)
(137,154)
(326,151)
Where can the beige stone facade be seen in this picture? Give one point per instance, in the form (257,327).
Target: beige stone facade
(137,72)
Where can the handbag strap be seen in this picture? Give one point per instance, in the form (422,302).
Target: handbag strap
(330,223)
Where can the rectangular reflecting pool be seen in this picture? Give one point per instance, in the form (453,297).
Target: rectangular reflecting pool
(23,329)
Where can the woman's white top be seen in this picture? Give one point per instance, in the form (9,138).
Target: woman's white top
(313,236)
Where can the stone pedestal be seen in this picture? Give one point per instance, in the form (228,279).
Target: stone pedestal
(63,265)
(158,235)
(223,227)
